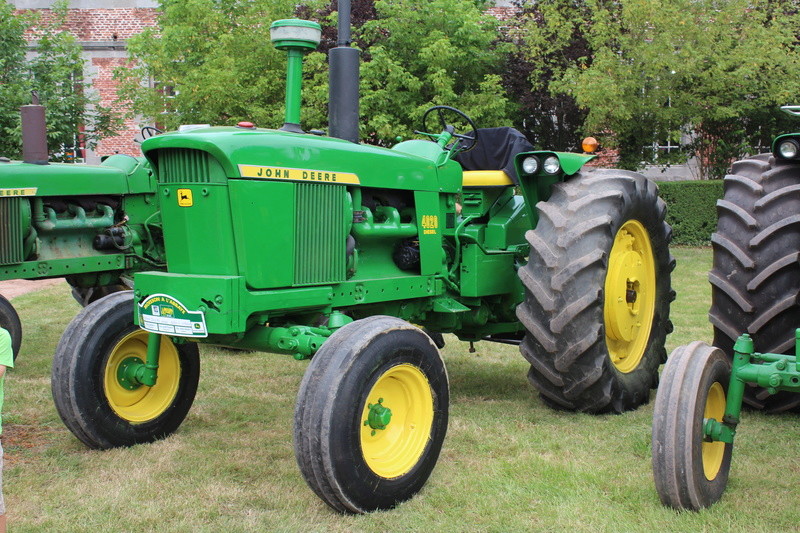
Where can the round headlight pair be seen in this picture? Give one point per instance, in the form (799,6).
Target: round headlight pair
(789,149)
(530,165)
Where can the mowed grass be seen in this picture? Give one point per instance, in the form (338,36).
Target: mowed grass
(509,463)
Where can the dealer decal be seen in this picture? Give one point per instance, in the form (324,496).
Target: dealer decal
(164,314)
(26,191)
(297,174)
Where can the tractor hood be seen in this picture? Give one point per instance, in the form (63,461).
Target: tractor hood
(284,156)
(58,179)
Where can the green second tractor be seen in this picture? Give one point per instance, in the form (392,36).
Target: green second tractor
(359,257)
(94,225)
(755,283)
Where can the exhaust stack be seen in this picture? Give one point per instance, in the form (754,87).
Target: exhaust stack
(343,81)
(34,132)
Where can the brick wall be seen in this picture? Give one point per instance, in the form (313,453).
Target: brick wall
(95,28)
(106,86)
(102,24)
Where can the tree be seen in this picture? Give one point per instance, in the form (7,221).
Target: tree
(55,73)
(208,61)
(548,38)
(657,70)
(419,53)
(212,62)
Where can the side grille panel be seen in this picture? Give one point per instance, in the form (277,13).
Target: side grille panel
(182,165)
(11,237)
(320,255)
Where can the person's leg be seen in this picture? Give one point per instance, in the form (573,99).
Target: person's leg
(2,501)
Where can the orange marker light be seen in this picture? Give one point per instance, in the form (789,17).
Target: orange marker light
(590,144)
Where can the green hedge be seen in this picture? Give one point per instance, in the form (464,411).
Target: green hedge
(691,209)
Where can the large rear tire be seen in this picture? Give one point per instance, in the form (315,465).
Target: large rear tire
(597,297)
(691,472)
(101,409)
(755,280)
(9,320)
(371,415)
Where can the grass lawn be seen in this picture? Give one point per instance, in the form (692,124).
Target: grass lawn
(508,464)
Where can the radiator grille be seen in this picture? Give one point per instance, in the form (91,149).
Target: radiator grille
(11,238)
(320,255)
(182,165)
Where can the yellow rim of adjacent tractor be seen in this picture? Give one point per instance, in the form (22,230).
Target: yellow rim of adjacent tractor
(142,403)
(713,452)
(394,450)
(630,296)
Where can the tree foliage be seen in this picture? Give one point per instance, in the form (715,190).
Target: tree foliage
(656,69)
(208,61)
(212,62)
(543,48)
(55,73)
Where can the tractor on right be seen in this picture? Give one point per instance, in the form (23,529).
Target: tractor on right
(755,283)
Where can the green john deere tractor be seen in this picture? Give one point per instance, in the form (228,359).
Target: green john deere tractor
(94,225)
(314,245)
(755,284)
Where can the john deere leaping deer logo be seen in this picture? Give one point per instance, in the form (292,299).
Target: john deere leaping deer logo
(185,198)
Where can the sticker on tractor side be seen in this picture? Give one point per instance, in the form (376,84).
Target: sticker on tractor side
(185,198)
(26,191)
(297,174)
(430,223)
(164,314)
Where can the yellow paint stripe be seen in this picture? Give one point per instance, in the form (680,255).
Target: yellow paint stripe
(297,174)
(486,178)
(27,191)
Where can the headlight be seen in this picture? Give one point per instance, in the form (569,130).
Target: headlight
(788,149)
(551,165)
(530,165)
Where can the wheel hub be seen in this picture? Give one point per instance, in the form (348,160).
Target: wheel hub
(629,296)
(126,373)
(379,416)
(123,389)
(393,440)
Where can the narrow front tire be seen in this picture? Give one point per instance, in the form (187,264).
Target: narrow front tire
(9,320)
(371,415)
(690,470)
(93,399)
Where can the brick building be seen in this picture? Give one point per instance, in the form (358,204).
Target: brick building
(102,28)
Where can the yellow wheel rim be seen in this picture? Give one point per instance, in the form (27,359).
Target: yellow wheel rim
(142,403)
(630,296)
(713,452)
(393,451)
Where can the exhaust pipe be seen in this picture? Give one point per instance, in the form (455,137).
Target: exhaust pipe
(343,81)
(34,132)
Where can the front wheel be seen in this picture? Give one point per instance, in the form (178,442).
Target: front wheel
(371,415)
(97,403)
(690,470)
(9,320)
(596,308)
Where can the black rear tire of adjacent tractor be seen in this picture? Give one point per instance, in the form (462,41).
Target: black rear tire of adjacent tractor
(100,410)
(755,280)
(691,472)
(9,320)
(371,415)
(596,308)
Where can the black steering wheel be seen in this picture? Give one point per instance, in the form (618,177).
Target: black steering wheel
(150,131)
(465,142)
